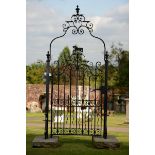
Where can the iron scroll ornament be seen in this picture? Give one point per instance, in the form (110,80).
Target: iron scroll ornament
(77,23)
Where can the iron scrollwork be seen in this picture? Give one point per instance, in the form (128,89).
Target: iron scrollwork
(78,22)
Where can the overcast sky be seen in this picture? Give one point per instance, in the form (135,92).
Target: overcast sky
(45,18)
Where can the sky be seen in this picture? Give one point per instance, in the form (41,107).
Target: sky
(44,19)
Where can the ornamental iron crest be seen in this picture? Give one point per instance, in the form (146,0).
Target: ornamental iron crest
(78,22)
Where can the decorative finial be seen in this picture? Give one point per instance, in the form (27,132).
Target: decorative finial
(75,48)
(48,56)
(77,9)
(106,55)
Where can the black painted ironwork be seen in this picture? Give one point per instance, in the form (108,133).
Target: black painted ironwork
(74,115)
(77,104)
(47,94)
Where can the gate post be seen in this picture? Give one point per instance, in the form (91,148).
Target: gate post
(105,95)
(47,94)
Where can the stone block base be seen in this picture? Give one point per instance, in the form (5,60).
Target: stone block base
(41,142)
(110,143)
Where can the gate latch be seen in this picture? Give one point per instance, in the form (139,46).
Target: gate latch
(102,89)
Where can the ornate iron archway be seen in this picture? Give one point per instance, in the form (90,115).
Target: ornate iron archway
(69,106)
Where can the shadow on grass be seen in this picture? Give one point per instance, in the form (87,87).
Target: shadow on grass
(82,140)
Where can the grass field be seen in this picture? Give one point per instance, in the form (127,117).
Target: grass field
(75,145)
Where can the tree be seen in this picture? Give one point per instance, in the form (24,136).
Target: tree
(123,72)
(64,56)
(34,73)
(69,61)
(119,66)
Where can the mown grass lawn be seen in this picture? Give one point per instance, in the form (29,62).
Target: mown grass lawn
(75,145)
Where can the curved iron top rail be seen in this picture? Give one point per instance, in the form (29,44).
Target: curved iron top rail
(78,22)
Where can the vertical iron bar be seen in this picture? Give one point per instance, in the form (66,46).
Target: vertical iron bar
(101,104)
(47,94)
(77,97)
(58,98)
(105,96)
(64,103)
(88,105)
(83,101)
(70,98)
(52,78)
(95,103)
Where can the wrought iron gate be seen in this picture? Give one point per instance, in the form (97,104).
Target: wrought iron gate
(76,107)
(78,97)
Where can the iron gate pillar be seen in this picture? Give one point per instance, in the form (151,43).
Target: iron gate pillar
(47,94)
(105,96)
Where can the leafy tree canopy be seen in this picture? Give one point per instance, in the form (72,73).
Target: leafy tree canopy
(119,63)
(34,73)
(118,70)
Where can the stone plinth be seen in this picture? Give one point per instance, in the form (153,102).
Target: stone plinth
(41,142)
(110,143)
